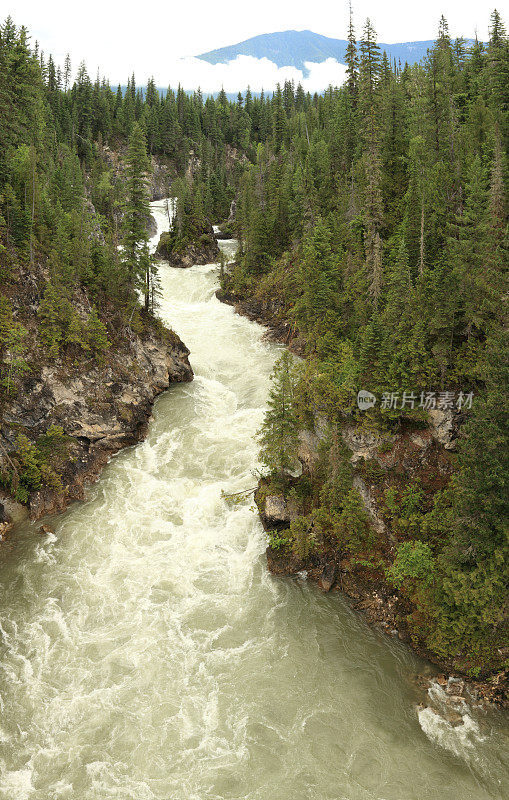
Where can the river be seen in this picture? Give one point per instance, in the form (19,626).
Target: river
(148,655)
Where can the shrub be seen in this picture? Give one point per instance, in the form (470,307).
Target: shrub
(32,465)
(303,537)
(414,562)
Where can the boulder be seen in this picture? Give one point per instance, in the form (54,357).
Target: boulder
(455,687)
(45,530)
(328,577)
(276,510)
(5,521)
(12,511)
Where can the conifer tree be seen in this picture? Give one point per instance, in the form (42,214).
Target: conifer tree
(67,72)
(137,214)
(352,61)
(279,433)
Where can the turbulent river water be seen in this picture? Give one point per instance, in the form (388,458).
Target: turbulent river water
(148,655)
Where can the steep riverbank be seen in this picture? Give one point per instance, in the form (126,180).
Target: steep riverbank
(99,409)
(71,414)
(420,453)
(382,606)
(269,312)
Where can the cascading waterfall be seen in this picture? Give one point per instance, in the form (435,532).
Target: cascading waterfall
(148,655)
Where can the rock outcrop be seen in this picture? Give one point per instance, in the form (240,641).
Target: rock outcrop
(99,408)
(276,510)
(160,178)
(444,426)
(328,577)
(202,249)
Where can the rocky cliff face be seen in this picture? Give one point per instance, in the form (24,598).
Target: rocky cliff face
(100,409)
(162,173)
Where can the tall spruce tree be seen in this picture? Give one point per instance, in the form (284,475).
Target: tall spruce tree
(279,433)
(137,214)
(352,61)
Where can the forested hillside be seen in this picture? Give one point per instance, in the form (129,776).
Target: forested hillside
(374,223)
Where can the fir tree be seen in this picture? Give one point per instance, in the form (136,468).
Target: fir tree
(352,61)
(279,433)
(137,213)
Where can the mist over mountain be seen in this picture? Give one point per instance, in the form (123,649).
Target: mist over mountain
(298,48)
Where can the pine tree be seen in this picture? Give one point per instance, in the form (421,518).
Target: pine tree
(369,70)
(497,29)
(67,72)
(476,273)
(137,214)
(352,61)
(279,433)
(279,119)
(95,333)
(315,309)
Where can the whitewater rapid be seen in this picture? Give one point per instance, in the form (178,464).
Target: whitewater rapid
(148,655)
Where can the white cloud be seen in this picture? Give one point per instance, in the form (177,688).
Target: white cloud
(328,73)
(244,71)
(120,36)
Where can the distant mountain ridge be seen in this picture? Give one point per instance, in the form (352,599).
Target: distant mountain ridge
(295,48)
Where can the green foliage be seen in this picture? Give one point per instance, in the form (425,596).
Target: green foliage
(12,348)
(280,541)
(402,509)
(353,527)
(302,537)
(60,325)
(279,434)
(137,214)
(52,444)
(190,225)
(414,562)
(32,465)
(339,474)
(95,333)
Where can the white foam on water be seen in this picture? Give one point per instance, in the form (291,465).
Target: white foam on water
(460,739)
(17,785)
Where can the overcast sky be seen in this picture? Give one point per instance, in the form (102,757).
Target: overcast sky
(150,38)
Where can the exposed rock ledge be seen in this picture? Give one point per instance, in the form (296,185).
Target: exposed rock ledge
(100,408)
(202,249)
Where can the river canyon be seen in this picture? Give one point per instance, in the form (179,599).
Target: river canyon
(147,654)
